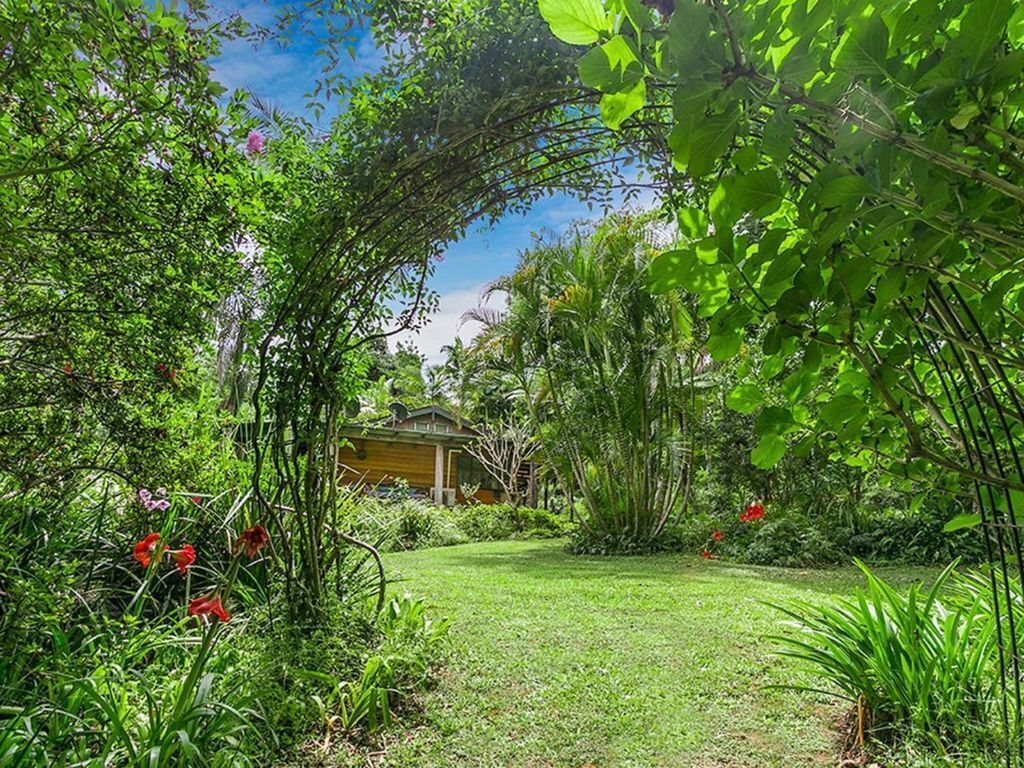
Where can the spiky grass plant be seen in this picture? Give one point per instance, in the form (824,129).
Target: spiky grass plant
(911,664)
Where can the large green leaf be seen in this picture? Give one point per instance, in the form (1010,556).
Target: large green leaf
(863,47)
(746,398)
(768,452)
(960,522)
(579,22)
(758,193)
(688,32)
(841,190)
(616,107)
(709,141)
(612,67)
(981,29)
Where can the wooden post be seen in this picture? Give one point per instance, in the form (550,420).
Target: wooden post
(439,474)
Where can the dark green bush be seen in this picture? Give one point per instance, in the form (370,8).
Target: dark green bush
(794,539)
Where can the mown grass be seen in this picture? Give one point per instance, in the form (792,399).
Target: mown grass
(558,660)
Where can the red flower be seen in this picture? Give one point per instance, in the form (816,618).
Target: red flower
(183,557)
(67,368)
(196,499)
(254,539)
(706,555)
(204,605)
(147,549)
(753,512)
(717,535)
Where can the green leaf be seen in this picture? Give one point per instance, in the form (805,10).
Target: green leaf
(774,420)
(669,269)
(612,67)
(617,107)
(709,142)
(758,193)
(768,452)
(746,398)
(862,49)
(724,344)
(777,137)
(579,22)
(842,190)
(689,29)
(962,521)
(981,29)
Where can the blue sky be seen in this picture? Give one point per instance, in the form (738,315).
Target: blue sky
(282,75)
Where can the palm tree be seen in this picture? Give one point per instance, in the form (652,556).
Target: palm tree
(605,368)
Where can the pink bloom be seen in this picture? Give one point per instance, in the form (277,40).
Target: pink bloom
(161,491)
(144,495)
(254,145)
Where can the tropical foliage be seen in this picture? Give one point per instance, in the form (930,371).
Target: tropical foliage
(605,371)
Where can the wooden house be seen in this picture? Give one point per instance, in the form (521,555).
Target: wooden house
(424,448)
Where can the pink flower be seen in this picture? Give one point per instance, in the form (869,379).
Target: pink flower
(144,495)
(254,145)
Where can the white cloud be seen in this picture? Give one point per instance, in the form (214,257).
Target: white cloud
(446,324)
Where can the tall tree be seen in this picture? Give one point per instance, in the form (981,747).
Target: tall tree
(603,365)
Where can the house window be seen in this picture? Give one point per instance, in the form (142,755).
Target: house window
(472,472)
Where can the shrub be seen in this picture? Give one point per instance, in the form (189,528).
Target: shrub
(492,522)
(794,539)
(788,542)
(402,524)
(912,664)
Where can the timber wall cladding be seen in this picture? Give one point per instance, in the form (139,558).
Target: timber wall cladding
(386,461)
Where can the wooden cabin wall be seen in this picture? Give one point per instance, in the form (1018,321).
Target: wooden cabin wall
(386,461)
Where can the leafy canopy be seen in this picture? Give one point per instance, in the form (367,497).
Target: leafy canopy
(852,176)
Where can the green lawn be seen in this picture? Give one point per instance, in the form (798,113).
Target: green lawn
(559,660)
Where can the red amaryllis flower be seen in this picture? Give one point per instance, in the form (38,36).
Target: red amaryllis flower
(717,535)
(196,499)
(67,368)
(183,557)
(204,605)
(753,512)
(254,539)
(706,555)
(148,548)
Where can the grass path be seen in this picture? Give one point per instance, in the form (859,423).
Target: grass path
(632,662)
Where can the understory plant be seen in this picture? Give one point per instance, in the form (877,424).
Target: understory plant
(912,664)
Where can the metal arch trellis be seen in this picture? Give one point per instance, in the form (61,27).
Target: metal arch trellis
(980,415)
